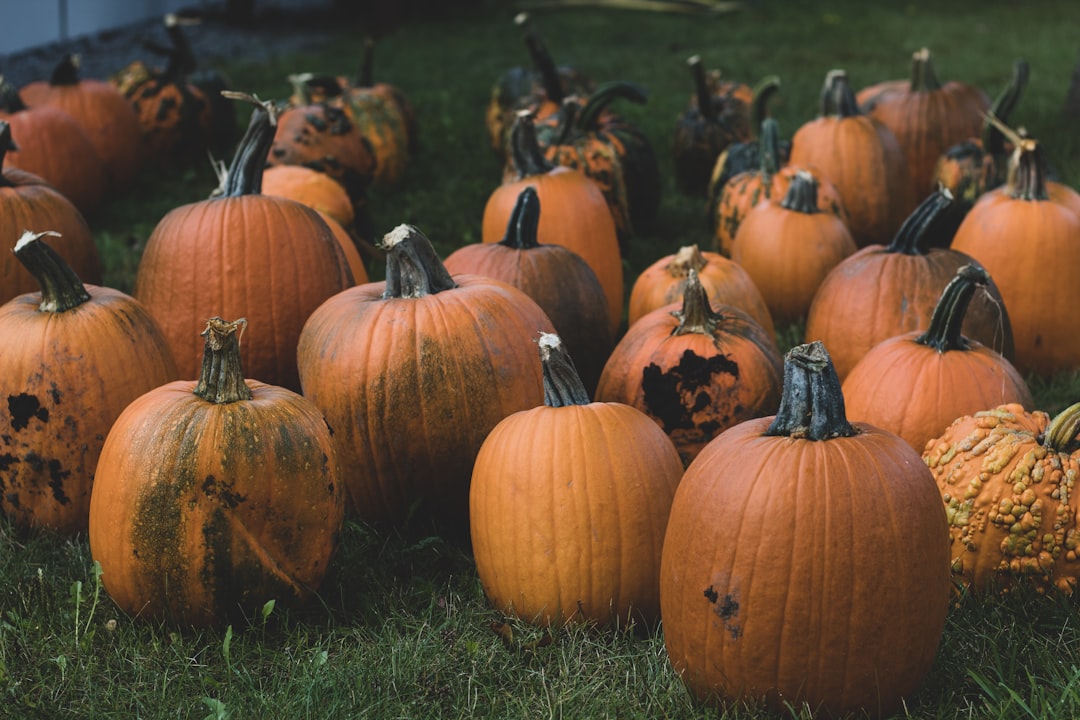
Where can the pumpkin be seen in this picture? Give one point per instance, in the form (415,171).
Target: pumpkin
(970,168)
(1013,231)
(575,216)
(1006,476)
(53,146)
(412,373)
(558,537)
(695,370)
(215,496)
(772,587)
(540,88)
(788,248)
(861,157)
(561,283)
(917,383)
(729,204)
(74,356)
(882,291)
(927,116)
(105,115)
(717,115)
(28,201)
(243,253)
(663,282)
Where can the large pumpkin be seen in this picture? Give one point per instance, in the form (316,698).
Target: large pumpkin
(558,537)
(806,561)
(215,496)
(73,357)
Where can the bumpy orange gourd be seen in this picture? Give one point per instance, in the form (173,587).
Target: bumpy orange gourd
(558,537)
(806,560)
(215,496)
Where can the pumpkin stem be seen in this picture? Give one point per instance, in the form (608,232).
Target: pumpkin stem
(221,379)
(701,88)
(562,384)
(66,72)
(589,118)
(1060,434)
(6,145)
(413,268)
(923,76)
(812,404)
(763,93)
(684,260)
(696,315)
(367,63)
(526,157)
(769,150)
(61,288)
(245,173)
(541,59)
(802,194)
(182,55)
(837,97)
(944,332)
(1027,172)
(524,221)
(931,225)
(993,138)
(10,100)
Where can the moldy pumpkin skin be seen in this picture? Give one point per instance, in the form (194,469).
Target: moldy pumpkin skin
(204,511)
(1009,499)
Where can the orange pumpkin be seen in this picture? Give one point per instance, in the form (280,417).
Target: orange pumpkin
(214,496)
(557,537)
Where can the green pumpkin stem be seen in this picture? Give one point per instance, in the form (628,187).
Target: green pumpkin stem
(993,138)
(931,225)
(811,404)
(764,91)
(524,221)
(61,288)
(526,157)
(802,194)
(944,332)
(10,100)
(562,383)
(923,76)
(1060,434)
(66,72)
(769,150)
(837,97)
(701,88)
(413,268)
(245,173)
(588,120)
(221,379)
(6,145)
(366,77)
(541,59)
(696,315)
(1027,172)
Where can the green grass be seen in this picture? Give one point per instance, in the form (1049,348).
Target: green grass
(401,628)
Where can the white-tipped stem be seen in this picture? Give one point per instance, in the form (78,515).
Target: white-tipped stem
(396,236)
(30,236)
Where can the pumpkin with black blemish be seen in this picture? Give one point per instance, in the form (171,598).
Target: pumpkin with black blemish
(917,383)
(73,357)
(556,277)
(1007,477)
(557,536)
(412,373)
(772,587)
(694,369)
(28,201)
(214,496)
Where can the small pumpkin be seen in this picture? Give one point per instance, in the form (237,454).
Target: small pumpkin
(917,383)
(557,537)
(74,356)
(215,496)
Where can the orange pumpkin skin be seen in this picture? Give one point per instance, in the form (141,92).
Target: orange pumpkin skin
(559,538)
(771,582)
(203,511)
(312,188)
(1007,491)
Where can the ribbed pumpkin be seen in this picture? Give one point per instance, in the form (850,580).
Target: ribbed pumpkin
(927,116)
(561,283)
(772,583)
(242,253)
(694,369)
(575,215)
(882,291)
(54,146)
(73,357)
(1006,477)
(725,282)
(558,537)
(788,247)
(28,201)
(917,383)
(861,157)
(717,115)
(412,373)
(214,496)
(1014,231)
(729,204)
(105,115)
